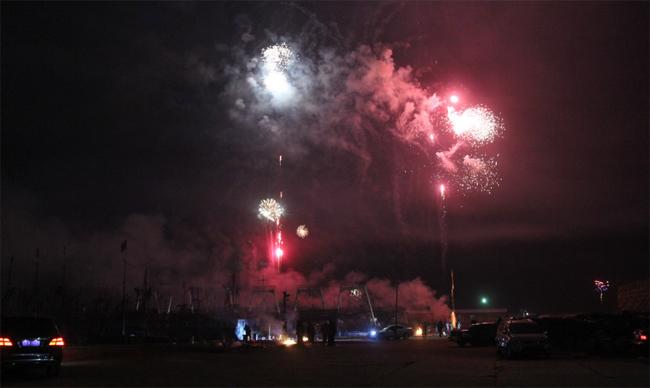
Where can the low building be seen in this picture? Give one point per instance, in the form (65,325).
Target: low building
(633,296)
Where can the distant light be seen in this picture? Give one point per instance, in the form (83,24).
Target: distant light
(454,99)
(373,333)
(484,300)
(643,337)
(418,332)
(442,189)
(279,252)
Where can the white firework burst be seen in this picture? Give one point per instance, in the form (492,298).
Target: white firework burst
(270,210)
(302,231)
(277,57)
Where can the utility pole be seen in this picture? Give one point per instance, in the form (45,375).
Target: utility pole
(396,301)
(11,266)
(36,263)
(285,297)
(123,250)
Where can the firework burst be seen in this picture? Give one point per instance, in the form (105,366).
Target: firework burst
(302,231)
(276,60)
(477,125)
(601,287)
(269,209)
(277,57)
(478,174)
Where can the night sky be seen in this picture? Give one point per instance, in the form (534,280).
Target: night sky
(117,124)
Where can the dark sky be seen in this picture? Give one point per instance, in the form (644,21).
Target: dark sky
(105,114)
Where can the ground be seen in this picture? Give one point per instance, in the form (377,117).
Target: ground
(415,362)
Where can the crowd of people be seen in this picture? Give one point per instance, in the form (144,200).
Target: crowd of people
(308,329)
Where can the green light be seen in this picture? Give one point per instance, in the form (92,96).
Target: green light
(484,300)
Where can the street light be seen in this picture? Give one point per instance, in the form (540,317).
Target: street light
(484,300)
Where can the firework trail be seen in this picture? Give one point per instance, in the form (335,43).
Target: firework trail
(442,221)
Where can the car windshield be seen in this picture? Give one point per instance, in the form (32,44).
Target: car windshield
(28,327)
(525,328)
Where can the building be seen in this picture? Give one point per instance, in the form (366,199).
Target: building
(633,296)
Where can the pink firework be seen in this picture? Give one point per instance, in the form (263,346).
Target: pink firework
(476,125)
(601,287)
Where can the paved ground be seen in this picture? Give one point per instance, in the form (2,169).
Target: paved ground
(403,363)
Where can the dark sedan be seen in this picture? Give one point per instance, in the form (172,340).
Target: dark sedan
(31,342)
(479,334)
(394,332)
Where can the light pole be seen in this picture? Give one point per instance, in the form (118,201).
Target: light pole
(123,250)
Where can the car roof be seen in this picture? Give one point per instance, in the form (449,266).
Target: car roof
(520,321)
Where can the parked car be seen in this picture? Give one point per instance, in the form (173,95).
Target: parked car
(521,337)
(31,342)
(479,334)
(395,332)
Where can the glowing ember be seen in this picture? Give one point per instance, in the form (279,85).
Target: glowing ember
(302,231)
(270,210)
(477,124)
(288,342)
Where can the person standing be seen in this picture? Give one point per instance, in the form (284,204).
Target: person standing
(247,333)
(299,331)
(324,331)
(311,332)
(332,332)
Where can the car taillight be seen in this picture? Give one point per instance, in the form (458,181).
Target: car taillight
(58,341)
(643,337)
(5,342)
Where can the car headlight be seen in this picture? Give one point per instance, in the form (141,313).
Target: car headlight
(373,333)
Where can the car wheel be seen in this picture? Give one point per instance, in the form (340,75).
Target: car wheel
(53,370)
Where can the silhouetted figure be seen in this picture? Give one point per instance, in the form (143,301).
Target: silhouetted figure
(311,332)
(299,331)
(247,333)
(441,327)
(324,331)
(332,332)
